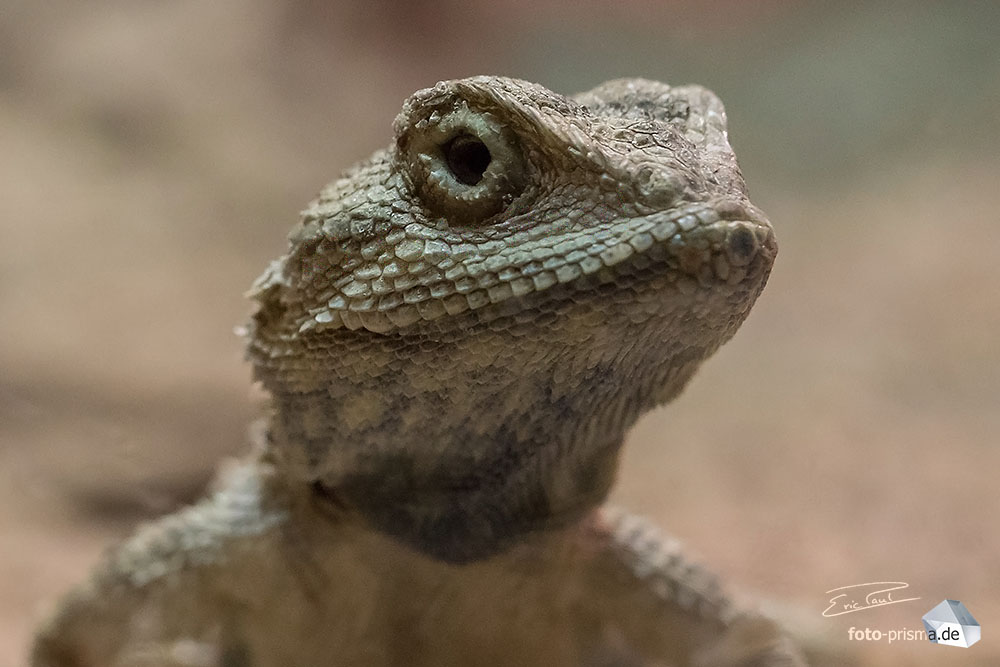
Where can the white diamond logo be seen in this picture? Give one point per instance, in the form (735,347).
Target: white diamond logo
(951,624)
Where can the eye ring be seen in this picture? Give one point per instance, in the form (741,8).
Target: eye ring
(463,163)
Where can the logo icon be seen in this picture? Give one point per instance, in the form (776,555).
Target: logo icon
(950,623)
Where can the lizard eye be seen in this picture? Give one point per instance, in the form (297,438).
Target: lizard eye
(467,158)
(463,164)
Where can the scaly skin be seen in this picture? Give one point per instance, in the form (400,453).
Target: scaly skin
(463,329)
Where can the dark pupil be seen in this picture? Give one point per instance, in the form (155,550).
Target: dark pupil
(467,157)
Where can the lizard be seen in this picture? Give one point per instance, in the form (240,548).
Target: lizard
(461,331)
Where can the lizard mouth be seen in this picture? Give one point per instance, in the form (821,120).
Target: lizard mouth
(722,241)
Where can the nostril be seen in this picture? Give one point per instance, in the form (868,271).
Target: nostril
(741,244)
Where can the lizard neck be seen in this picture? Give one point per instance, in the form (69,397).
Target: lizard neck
(451,474)
(468,512)
(455,521)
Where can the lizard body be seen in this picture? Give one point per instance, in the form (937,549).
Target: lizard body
(460,334)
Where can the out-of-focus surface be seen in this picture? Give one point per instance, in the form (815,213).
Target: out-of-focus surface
(155,154)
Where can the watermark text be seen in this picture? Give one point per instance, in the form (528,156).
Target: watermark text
(858,597)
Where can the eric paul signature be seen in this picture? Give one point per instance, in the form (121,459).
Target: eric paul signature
(859,597)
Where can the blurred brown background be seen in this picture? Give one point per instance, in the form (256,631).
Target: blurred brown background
(154,154)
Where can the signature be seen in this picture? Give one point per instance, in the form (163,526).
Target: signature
(879,594)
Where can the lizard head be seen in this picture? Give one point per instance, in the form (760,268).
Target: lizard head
(466,323)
